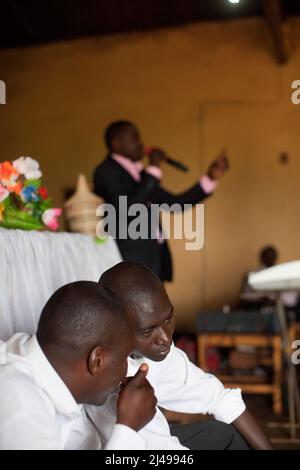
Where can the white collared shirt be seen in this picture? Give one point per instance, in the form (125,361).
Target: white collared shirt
(37,410)
(181,386)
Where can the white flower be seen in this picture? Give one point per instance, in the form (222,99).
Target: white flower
(28,167)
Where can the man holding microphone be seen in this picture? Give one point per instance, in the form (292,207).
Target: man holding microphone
(122,174)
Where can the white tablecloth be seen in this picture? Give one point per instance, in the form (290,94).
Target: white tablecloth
(34,264)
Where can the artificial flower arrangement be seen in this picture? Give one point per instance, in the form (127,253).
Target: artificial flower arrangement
(24,201)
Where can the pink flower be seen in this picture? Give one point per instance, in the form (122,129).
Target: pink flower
(3,193)
(49,218)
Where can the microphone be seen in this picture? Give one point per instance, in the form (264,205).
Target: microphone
(170,161)
(178,165)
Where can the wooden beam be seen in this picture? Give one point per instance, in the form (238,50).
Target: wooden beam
(273,16)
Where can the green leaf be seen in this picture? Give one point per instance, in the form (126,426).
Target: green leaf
(7,202)
(21,220)
(45,204)
(35,183)
(100,241)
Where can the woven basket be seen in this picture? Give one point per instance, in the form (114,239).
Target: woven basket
(80,208)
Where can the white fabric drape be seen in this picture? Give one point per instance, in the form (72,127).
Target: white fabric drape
(34,264)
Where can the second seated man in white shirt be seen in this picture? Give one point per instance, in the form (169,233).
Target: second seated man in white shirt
(179,385)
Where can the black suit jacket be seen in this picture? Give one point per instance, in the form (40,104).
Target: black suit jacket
(111,180)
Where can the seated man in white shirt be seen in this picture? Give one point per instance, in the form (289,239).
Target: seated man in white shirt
(76,358)
(178,384)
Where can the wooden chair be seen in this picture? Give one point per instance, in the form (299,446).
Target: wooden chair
(258,340)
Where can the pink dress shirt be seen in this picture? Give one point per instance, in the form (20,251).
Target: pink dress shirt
(134,169)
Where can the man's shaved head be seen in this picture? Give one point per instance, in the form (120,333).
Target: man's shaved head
(146,299)
(79,316)
(79,332)
(133,283)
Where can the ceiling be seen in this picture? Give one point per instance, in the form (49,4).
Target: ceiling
(29,22)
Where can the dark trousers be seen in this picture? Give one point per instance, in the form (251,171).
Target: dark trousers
(209,435)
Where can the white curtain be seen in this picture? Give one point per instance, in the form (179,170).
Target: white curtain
(34,264)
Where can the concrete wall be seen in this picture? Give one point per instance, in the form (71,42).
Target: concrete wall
(192,90)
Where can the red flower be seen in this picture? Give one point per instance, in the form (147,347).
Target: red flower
(43,192)
(8,174)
